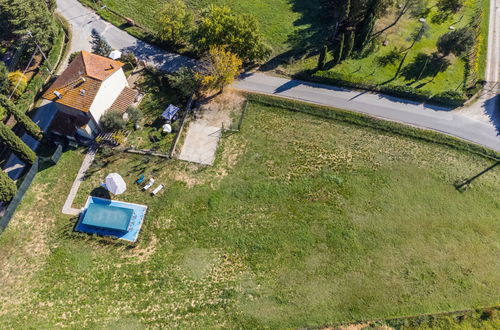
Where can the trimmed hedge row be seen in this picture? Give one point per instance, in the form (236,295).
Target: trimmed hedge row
(25,121)
(374,123)
(8,187)
(16,144)
(36,83)
(447,99)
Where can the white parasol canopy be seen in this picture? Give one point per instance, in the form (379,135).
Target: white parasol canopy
(115,184)
(115,54)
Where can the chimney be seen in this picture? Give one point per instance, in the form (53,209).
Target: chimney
(82,92)
(57,94)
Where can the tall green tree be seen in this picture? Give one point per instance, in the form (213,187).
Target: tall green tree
(4,79)
(240,34)
(15,144)
(8,187)
(23,16)
(175,23)
(22,119)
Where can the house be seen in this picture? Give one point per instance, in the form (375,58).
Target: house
(90,86)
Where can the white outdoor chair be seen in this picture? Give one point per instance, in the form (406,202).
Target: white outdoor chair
(150,183)
(157,190)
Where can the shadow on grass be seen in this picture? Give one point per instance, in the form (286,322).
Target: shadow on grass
(462,185)
(309,37)
(424,66)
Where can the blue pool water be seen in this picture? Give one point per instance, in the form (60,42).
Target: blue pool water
(125,218)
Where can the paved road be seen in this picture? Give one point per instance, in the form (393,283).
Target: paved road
(469,125)
(84,20)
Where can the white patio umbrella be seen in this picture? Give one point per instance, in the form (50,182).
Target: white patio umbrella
(115,184)
(115,54)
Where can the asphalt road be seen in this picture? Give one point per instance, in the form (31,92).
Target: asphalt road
(480,125)
(83,21)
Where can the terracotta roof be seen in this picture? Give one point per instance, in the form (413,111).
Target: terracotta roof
(124,100)
(80,82)
(99,67)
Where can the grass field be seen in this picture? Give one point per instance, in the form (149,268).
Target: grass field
(302,221)
(290,28)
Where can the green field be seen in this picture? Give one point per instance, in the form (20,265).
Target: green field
(291,29)
(302,221)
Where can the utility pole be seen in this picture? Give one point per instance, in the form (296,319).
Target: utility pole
(41,51)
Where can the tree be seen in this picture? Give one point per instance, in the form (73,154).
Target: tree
(23,16)
(16,144)
(23,120)
(17,83)
(184,81)
(175,23)
(239,33)
(219,68)
(99,45)
(134,114)
(112,121)
(446,8)
(457,42)
(4,81)
(8,188)
(51,5)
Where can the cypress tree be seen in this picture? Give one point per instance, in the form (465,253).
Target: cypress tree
(8,187)
(339,49)
(21,118)
(322,57)
(349,44)
(16,144)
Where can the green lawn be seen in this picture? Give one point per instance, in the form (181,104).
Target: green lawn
(157,97)
(302,221)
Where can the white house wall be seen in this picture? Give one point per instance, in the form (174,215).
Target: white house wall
(108,93)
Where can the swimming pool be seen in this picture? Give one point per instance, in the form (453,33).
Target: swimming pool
(111,218)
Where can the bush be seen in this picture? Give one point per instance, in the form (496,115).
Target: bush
(453,98)
(112,121)
(72,56)
(134,114)
(17,83)
(8,187)
(16,144)
(21,118)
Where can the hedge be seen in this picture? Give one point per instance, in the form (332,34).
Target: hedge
(374,123)
(8,187)
(36,83)
(16,144)
(25,121)
(453,99)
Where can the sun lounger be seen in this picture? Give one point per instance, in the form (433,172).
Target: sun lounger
(150,183)
(157,190)
(141,178)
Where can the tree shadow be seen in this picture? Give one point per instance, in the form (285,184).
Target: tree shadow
(100,192)
(424,66)
(309,37)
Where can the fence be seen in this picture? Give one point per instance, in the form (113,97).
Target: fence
(23,188)
(14,203)
(183,122)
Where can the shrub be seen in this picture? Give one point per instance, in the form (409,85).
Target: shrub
(112,121)
(17,83)
(99,45)
(134,114)
(8,187)
(16,144)
(184,82)
(453,98)
(72,56)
